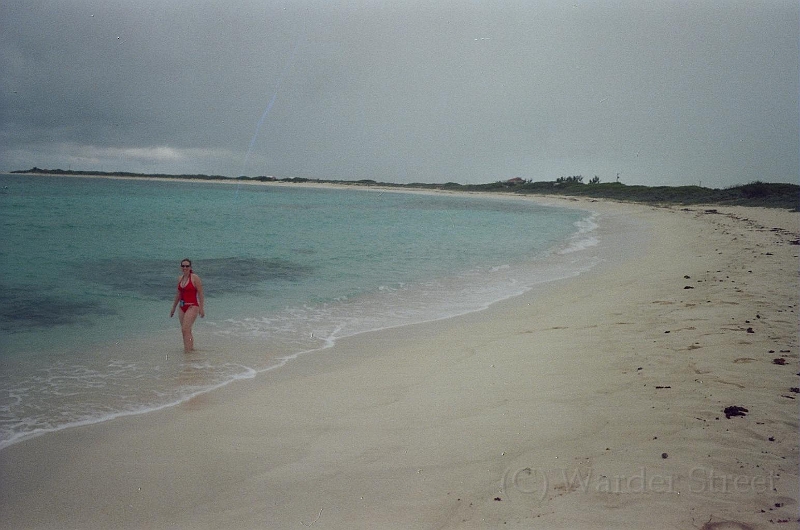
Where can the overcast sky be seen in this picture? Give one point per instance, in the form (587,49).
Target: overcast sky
(659,92)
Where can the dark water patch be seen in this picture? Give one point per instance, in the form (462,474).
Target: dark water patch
(148,279)
(242,274)
(157,279)
(28,309)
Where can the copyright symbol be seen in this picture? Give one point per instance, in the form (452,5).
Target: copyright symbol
(527,481)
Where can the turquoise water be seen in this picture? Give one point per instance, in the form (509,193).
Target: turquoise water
(89,268)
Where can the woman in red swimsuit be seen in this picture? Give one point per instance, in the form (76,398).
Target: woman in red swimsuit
(190,297)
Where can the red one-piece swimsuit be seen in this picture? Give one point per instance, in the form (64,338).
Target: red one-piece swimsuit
(188,294)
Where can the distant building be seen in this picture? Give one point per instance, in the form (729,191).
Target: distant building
(515,180)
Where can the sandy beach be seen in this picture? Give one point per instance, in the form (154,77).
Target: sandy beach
(594,402)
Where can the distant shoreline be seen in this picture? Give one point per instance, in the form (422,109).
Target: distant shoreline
(756,194)
(311,183)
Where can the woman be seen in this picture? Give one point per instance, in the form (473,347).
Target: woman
(190,297)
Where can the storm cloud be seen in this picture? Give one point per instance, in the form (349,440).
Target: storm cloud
(657,92)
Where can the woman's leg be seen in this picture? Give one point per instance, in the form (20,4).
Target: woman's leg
(187,321)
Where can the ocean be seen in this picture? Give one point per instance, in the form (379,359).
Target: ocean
(89,269)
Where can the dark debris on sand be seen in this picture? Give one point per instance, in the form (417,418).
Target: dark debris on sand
(735,410)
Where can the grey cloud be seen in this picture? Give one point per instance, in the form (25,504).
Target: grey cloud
(471,92)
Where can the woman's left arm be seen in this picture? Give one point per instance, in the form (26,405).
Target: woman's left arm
(201,299)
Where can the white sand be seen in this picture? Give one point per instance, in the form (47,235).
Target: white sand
(550,410)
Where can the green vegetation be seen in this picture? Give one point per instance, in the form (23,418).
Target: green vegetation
(771,195)
(764,194)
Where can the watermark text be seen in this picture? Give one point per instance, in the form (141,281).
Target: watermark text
(541,483)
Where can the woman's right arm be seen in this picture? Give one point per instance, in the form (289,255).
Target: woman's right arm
(175,302)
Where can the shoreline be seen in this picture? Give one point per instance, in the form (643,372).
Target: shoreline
(279,360)
(759,196)
(280,184)
(427,425)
